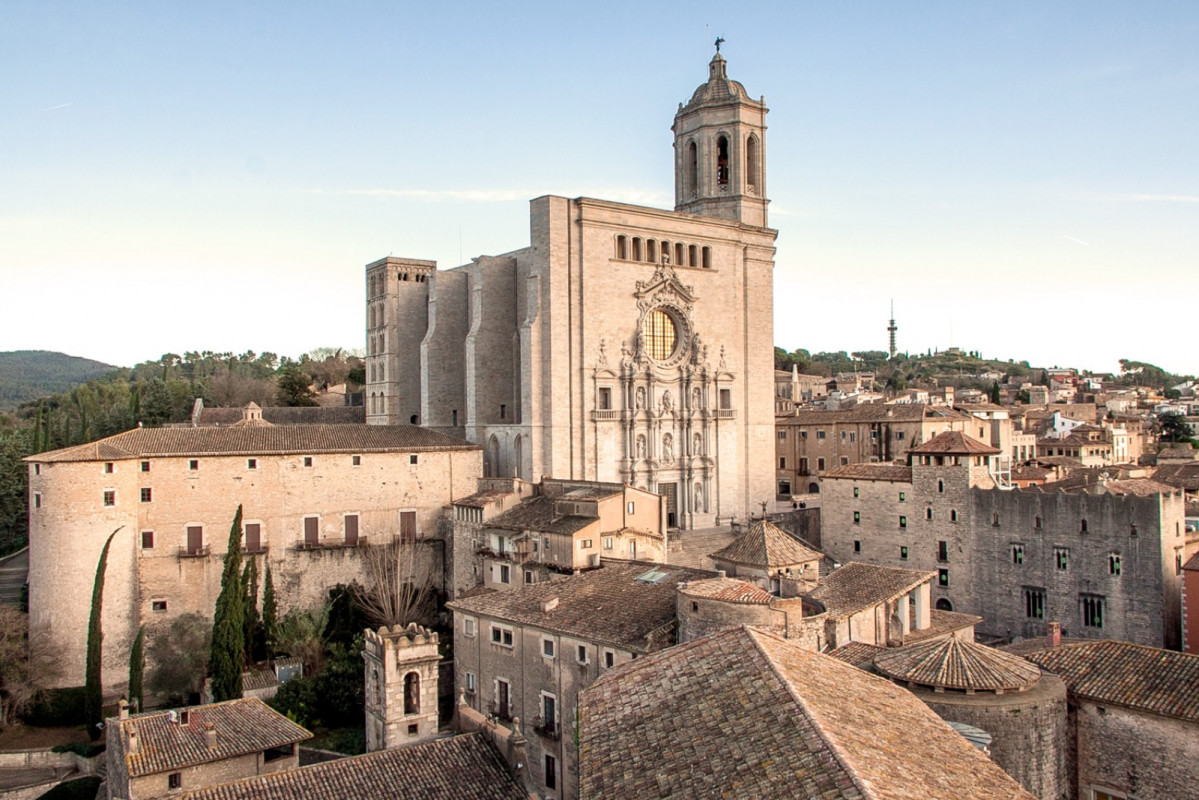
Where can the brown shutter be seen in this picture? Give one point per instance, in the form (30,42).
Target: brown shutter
(253,537)
(312,531)
(195,539)
(407,527)
(351,529)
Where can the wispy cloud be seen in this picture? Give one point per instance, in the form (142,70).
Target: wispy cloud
(1164,198)
(625,195)
(1077,241)
(57,107)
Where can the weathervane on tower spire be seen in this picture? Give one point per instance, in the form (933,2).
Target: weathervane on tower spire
(719,42)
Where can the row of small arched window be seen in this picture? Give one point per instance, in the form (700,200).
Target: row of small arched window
(376,284)
(654,251)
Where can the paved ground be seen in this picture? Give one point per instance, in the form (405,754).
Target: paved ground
(14,572)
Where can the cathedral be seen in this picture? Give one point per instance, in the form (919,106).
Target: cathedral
(625,344)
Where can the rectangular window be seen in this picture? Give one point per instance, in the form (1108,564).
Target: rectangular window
(308,461)
(251,463)
(899,436)
(547,648)
(505,573)
(581,654)
(412,459)
(1034,603)
(782,462)
(351,526)
(551,772)
(856,493)
(146,495)
(356,461)
(820,465)
(609,659)
(857,517)
(726,399)
(1113,563)
(312,531)
(943,551)
(844,461)
(903,553)
(1061,556)
(782,436)
(903,497)
(147,540)
(37,499)
(108,467)
(842,435)
(529,576)
(585,544)
(903,522)
(820,435)
(175,780)
(549,713)
(253,537)
(158,605)
(195,539)
(501,636)
(468,627)
(110,497)
(1092,610)
(193,465)
(503,411)
(943,577)
(145,466)
(605,399)
(630,507)
(609,542)
(1017,554)
(407,527)
(857,545)
(470,682)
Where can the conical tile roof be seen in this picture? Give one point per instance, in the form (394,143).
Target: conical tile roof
(765,545)
(951,663)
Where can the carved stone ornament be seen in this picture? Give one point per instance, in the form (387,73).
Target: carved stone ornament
(664,287)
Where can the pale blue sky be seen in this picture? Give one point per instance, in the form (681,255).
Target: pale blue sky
(1021,178)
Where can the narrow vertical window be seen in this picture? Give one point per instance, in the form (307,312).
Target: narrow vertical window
(690,168)
(622,247)
(722,161)
(751,164)
(707,258)
(651,251)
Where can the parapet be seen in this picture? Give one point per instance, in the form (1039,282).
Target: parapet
(397,637)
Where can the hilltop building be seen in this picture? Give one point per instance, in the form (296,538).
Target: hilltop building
(625,344)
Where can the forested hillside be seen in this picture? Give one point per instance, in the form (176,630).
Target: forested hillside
(30,374)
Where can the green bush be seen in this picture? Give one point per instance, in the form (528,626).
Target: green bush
(79,789)
(84,749)
(57,708)
(297,700)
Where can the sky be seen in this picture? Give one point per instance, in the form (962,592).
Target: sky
(1019,178)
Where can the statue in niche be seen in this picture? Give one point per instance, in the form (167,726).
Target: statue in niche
(695,397)
(625,356)
(698,350)
(698,445)
(699,498)
(640,397)
(667,449)
(667,402)
(641,446)
(602,361)
(723,367)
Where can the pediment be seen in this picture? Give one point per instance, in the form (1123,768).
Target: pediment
(665,281)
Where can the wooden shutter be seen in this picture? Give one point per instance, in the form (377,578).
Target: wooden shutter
(351,529)
(312,531)
(407,527)
(195,539)
(253,537)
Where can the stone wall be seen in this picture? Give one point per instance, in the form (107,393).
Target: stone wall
(1137,753)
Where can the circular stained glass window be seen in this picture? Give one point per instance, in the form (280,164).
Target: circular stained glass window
(658,335)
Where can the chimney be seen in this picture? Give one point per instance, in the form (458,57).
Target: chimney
(721,573)
(210,736)
(132,744)
(122,709)
(549,605)
(1054,635)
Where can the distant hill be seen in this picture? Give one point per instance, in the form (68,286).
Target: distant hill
(30,374)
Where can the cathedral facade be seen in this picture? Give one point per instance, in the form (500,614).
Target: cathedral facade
(624,344)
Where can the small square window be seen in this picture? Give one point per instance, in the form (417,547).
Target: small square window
(147,494)
(251,463)
(943,577)
(609,659)
(110,497)
(585,544)
(547,648)
(356,461)
(413,729)
(903,522)
(145,466)
(581,654)
(308,461)
(158,605)
(108,468)
(412,458)
(147,540)
(903,497)
(609,542)
(175,780)
(193,464)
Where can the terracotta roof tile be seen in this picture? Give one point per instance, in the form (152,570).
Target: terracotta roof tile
(860,654)
(856,586)
(627,604)
(730,590)
(539,514)
(951,663)
(743,713)
(1133,675)
(463,767)
(765,545)
(954,442)
(872,472)
(242,726)
(942,623)
(277,440)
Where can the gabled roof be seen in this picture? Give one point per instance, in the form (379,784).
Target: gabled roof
(1146,678)
(767,546)
(954,443)
(952,663)
(895,473)
(539,514)
(744,713)
(257,441)
(857,586)
(626,604)
(242,726)
(463,767)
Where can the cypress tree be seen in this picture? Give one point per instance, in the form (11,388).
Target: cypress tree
(251,624)
(137,665)
(228,640)
(93,695)
(270,613)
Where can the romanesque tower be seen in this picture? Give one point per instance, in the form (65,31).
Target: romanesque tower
(397,297)
(401,686)
(720,151)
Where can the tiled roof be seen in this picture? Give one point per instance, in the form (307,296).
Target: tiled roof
(1180,476)
(860,654)
(242,726)
(951,663)
(539,514)
(258,679)
(624,604)
(1192,563)
(954,442)
(288,415)
(730,590)
(277,440)
(463,767)
(1089,483)
(744,713)
(1146,678)
(481,499)
(857,586)
(942,623)
(765,545)
(872,472)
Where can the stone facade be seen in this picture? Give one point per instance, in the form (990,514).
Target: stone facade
(625,344)
(401,686)
(1104,565)
(172,515)
(1129,753)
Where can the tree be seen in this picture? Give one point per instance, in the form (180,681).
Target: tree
(16,687)
(156,404)
(137,666)
(270,613)
(302,634)
(93,702)
(397,583)
(251,623)
(1174,428)
(294,389)
(179,656)
(228,637)
(996,395)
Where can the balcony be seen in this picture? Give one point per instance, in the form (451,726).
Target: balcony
(605,415)
(330,544)
(501,711)
(547,730)
(257,550)
(194,552)
(724,413)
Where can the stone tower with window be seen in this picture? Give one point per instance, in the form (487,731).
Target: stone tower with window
(401,686)
(397,298)
(720,151)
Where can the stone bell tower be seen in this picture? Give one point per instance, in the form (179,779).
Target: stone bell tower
(720,151)
(401,686)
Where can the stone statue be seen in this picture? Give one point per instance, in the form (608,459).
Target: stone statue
(667,449)
(641,446)
(667,402)
(698,445)
(602,361)
(640,397)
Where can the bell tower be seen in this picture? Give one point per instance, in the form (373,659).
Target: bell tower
(720,150)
